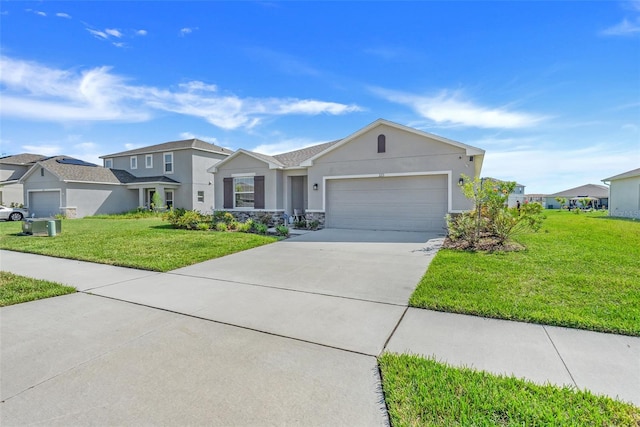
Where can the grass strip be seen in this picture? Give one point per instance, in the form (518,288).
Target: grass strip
(17,289)
(579,271)
(144,243)
(423,392)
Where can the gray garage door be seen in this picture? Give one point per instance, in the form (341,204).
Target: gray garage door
(417,203)
(44,204)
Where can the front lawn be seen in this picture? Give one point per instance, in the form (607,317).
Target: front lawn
(16,289)
(147,243)
(421,392)
(578,271)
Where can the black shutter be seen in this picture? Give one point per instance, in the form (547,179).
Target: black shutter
(258,188)
(228,193)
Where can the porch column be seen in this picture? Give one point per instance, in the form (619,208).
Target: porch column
(140,197)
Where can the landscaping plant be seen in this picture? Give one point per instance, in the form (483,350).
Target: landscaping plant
(491,224)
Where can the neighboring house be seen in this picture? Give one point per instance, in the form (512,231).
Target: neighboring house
(594,191)
(535,198)
(176,170)
(12,168)
(624,194)
(72,187)
(384,177)
(517,195)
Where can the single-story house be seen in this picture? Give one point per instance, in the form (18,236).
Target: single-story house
(385,176)
(12,168)
(624,194)
(177,171)
(599,193)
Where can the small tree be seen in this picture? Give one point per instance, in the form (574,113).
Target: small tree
(156,201)
(491,220)
(561,201)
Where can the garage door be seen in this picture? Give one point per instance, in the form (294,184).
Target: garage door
(44,204)
(416,203)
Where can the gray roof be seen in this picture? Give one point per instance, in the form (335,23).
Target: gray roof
(74,172)
(630,174)
(294,158)
(592,190)
(24,159)
(142,179)
(173,145)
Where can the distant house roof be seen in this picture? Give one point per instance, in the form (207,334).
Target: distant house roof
(630,174)
(67,168)
(171,146)
(592,190)
(24,159)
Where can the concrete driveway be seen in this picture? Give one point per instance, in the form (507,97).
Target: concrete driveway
(282,334)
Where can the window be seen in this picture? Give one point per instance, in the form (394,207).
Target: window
(41,171)
(134,162)
(382,143)
(168,199)
(168,162)
(201,196)
(243,192)
(108,163)
(148,161)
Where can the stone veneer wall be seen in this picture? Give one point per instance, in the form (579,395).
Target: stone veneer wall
(69,213)
(276,217)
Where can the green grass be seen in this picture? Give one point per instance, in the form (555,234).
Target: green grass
(146,243)
(16,289)
(579,271)
(423,392)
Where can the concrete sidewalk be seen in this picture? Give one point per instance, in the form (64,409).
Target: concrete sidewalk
(289,340)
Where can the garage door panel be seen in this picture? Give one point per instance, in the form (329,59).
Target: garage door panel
(44,204)
(416,203)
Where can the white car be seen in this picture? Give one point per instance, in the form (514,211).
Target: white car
(12,214)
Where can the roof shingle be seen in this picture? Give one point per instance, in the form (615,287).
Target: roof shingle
(173,145)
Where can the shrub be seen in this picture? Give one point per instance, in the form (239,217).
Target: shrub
(282,230)
(221,226)
(245,227)
(313,225)
(491,223)
(260,228)
(265,218)
(222,216)
(189,220)
(203,226)
(300,224)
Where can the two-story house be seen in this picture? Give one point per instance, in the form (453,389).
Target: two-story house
(177,171)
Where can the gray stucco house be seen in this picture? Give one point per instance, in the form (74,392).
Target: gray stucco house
(624,194)
(385,176)
(175,170)
(12,168)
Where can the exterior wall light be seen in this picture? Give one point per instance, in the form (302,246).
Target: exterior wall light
(315,186)
(461,181)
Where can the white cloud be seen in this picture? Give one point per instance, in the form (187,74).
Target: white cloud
(284,146)
(141,32)
(547,172)
(187,30)
(189,135)
(63,15)
(44,149)
(119,44)
(624,28)
(449,108)
(113,32)
(98,34)
(37,92)
(39,12)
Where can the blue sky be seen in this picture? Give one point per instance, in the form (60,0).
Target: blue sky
(551,90)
